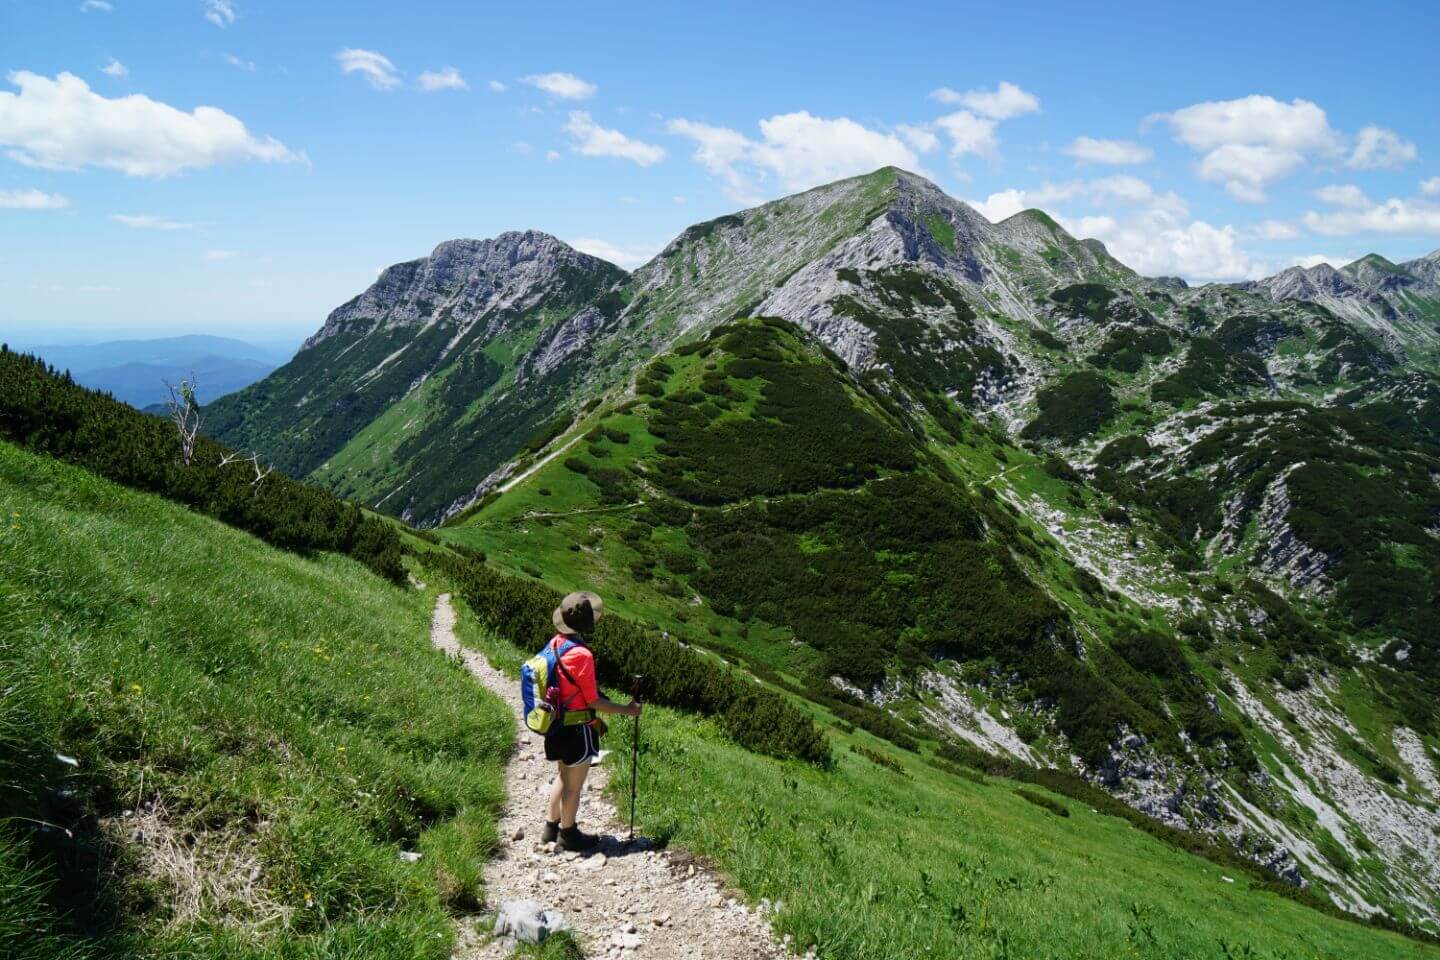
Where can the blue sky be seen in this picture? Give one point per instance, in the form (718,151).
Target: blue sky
(241,167)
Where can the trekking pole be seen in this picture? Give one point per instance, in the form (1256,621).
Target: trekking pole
(634,754)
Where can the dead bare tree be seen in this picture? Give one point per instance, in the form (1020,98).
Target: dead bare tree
(254,460)
(185,414)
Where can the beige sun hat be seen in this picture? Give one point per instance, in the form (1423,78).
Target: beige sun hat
(578,613)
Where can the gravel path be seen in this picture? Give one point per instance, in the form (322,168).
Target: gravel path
(626,899)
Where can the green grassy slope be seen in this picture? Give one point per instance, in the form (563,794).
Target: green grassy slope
(275,726)
(887,857)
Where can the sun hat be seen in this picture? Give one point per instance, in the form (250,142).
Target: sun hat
(578,612)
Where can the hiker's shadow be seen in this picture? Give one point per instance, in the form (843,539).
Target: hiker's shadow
(620,846)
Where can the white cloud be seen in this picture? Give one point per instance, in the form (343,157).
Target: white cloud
(552,155)
(149,221)
(1391,216)
(220,12)
(1146,230)
(592,140)
(247,65)
(1002,103)
(1117,189)
(1378,148)
(679,200)
(521,146)
(102,5)
(61,124)
(446,79)
(1002,205)
(565,86)
(1431,187)
(1156,245)
(1255,141)
(1299,125)
(374,67)
(1275,230)
(968,133)
(799,149)
(1343,195)
(31,200)
(1315,259)
(922,139)
(1246,170)
(114,69)
(1116,152)
(625,256)
(1252,142)
(496,86)
(214,256)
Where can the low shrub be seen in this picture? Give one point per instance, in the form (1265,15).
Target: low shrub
(759,720)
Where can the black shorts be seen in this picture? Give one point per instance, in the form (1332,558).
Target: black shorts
(573,745)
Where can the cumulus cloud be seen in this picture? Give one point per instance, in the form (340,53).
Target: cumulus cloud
(1343,195)
(1005,101)
(1431,187)
(1098,192)
(1147,230)
(31,200)
(1114,152)
(1316,259)
(799,149)
(247,65)
(220,12)
(1245,170)
(149,221)
(61,124)
(102,5)
(1378,148)
(552,155)
(1251,142)
(496,86)
(922,139)
(622,255)
(374,67)
(114,69)
(1392,216)
(589,138)
(1298,125)
(969,133)
(446,79)
(214,256)
(563,86)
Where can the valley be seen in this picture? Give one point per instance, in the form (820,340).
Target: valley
(981,476)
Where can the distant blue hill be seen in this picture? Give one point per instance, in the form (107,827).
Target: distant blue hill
(135,371)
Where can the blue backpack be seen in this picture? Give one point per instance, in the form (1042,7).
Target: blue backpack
(540,701)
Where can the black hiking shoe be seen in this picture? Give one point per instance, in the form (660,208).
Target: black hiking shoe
(571,839)
(551,831)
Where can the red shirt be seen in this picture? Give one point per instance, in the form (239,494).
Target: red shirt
(580,663)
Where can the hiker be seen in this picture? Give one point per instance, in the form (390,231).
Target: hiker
(574,746)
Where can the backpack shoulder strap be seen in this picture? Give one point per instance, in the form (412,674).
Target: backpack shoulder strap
(560,651)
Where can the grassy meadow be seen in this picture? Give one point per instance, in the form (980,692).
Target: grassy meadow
(240,741)
(888,858)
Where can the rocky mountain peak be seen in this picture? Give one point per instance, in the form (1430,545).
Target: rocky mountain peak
(510,271)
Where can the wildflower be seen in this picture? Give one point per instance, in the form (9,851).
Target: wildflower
(137,688)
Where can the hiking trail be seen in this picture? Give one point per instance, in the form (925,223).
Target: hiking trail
(625,899)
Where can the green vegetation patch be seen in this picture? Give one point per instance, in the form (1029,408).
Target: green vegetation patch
(1209,370)
(1072,409)
(281,725)
(48,413)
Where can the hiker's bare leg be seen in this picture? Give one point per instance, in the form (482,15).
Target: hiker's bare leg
(552,810)
(567,791)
